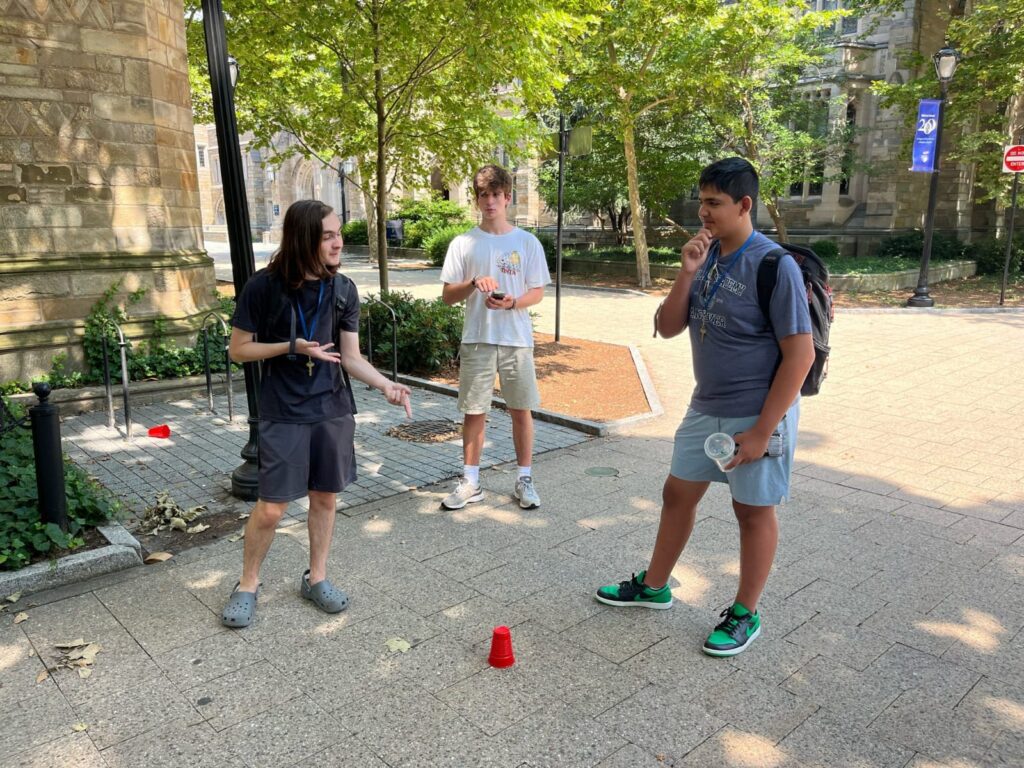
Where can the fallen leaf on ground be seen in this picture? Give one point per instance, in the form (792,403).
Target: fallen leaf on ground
(244,516)
(20,618)
(197,528)
(84,672)
(13,598)
(237,536)
(43,674)
(157,557)
(178,524)
(31,652)
(79,727)
(397,644)
(86,655)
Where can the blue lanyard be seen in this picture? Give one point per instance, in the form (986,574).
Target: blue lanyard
(723,272)
(307,333)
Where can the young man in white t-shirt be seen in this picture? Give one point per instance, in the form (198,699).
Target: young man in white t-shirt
(499,270)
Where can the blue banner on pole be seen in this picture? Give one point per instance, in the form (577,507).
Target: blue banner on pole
(927,132)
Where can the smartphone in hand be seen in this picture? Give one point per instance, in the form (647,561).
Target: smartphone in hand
(497,295)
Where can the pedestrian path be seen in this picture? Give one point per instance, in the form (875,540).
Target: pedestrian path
(194,465)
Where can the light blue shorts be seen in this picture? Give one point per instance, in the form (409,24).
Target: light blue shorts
(761,483)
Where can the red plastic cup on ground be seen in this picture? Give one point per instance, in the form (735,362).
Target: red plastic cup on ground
(501,649)
(160,431)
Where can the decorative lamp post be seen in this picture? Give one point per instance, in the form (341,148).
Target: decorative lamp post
(946,61)
(223,76)
(346,168)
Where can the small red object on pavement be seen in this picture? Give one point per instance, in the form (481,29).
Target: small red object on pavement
(161,431)
(501,649)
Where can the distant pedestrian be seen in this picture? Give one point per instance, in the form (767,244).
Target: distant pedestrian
(499,270)
(294,315)
(748,371)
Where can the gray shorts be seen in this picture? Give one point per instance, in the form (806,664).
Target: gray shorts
(298,458)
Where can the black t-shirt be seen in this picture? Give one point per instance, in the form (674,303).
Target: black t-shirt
(288,392)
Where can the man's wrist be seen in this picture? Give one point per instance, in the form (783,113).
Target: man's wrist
(472,282)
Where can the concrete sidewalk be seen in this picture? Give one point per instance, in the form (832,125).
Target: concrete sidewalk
(893,622)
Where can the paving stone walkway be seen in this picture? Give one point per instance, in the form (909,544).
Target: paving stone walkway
(893,621)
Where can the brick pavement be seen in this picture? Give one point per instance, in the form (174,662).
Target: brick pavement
(894,620)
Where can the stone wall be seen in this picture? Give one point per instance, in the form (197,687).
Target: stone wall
(98,175)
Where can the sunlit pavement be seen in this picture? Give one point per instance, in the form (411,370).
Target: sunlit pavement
(893,622)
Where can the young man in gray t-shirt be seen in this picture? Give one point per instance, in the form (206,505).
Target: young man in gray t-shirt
(748,370)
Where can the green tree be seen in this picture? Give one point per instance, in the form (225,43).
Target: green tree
(404,87)
(596,183)
(644,56)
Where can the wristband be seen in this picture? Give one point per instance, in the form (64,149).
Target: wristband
(514,302)
(473,282)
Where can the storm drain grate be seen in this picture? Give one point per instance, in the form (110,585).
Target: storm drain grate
(430,431)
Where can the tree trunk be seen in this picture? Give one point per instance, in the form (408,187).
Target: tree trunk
(643,266)
(772,204)
(370,208)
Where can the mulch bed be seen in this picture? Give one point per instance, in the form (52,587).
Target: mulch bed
(586,379)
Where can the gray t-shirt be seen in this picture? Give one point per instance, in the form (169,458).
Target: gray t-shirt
(735,363)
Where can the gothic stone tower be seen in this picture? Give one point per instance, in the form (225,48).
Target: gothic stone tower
(97,174)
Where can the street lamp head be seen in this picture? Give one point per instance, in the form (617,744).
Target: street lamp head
(233,71)
(946,61)
(348,165)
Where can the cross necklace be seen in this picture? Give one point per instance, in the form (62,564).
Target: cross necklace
(307,333)
(713,278)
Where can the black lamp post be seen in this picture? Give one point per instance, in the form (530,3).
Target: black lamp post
(343,171)
(223,76)
(946,61)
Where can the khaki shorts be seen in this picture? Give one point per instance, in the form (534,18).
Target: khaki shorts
(478,364)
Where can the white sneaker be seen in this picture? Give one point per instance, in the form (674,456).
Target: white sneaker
(465,493)
(526,493)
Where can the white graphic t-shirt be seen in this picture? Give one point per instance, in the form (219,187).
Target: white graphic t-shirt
(516,261)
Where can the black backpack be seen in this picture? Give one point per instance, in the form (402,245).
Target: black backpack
(281,302)
(819,302)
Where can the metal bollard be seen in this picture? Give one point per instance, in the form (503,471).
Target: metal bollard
(53,502)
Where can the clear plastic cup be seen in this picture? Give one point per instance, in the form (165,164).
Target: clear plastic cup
(720,448)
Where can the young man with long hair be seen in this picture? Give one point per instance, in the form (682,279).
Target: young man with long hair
(294,316)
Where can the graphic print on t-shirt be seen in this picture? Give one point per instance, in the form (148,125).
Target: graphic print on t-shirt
(510,263)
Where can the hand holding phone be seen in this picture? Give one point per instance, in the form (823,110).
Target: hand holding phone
(497,295)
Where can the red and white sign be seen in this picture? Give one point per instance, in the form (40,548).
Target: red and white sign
(1013,159)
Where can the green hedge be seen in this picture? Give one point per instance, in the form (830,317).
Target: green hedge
(429,332)
(424,218)
(990,256)
(23,538)
(355,233)
(437,244)
(827,249)
(910,245)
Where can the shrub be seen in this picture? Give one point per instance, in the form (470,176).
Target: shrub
(547,242)
(437,244)
(423,218)
(910,244)
(429,332)
(990,256)
(355,232)
(23,537)
(827,249)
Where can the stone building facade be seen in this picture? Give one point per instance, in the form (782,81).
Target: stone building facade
(98,177)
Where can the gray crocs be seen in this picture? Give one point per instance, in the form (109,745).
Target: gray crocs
(240,609)
(327,597)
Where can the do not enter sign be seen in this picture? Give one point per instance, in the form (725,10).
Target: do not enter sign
(1013,159)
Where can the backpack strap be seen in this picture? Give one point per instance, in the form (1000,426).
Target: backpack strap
(767,278)
(340,289)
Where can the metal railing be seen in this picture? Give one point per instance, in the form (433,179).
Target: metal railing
(394,334)
(226,336)
(123,345)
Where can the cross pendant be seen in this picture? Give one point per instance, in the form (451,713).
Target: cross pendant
(309,366)
(703,331)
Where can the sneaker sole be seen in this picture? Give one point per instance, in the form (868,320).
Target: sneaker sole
(524,506)
(470,500)
(633,603)
(734,651)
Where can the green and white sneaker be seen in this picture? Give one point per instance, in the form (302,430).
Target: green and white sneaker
(633,593)
(734,634)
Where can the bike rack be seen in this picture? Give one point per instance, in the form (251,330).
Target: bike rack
(225,334)
(123,345)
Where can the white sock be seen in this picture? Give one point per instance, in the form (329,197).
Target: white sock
(525,472)
(471,473)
